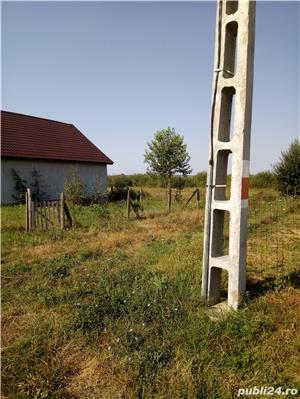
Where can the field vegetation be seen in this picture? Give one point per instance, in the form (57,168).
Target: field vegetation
(112,309)
(260,180)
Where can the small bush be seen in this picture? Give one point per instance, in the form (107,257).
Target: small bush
(75,189)
(97,195)
(287,171)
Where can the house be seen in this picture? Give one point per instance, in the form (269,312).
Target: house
(49,149)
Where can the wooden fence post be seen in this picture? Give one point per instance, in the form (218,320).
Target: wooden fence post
(62,211)
(135,210)
(44,207)
(27,210)
(198,198)
(58,211)
(68,215)
(169,200)
(191,197)
(30,210)
(128,203)
(261,198)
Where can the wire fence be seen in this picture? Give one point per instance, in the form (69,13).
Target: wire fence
(273,228)
(273,235)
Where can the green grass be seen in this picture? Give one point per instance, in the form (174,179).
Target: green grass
(112,308)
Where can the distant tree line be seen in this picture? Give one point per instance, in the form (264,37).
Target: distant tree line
(285,176)
(152,180)
(260,180)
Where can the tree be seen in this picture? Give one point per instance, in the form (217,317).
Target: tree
(167,155)
(287,170)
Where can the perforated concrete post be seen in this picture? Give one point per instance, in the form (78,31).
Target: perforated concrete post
(231,137)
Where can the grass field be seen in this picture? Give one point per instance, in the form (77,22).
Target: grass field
(112,308)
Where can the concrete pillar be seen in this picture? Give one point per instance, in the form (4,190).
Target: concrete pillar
(231,123)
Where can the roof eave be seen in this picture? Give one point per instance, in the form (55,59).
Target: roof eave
(100,162)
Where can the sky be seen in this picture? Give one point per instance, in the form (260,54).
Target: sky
(120,71)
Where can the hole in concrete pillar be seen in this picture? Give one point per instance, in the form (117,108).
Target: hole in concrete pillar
(223,175)
(227,112)
(224,285)
(231,6)
(230,50)
(220,233)
(215,285)
(218,289)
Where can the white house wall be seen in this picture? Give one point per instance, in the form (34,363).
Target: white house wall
(53,175)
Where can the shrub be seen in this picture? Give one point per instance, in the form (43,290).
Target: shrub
(120,194)
(287,170)
(120,181)
(74,189)
(97,195)
(262,180)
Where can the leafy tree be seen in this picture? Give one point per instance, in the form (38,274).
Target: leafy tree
(287,170)
(167,155)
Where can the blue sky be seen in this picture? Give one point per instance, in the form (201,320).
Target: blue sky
(120,71)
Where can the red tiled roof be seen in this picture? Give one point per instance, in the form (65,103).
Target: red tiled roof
(25,136)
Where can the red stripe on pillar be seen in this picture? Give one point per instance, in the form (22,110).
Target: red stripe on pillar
(245,188)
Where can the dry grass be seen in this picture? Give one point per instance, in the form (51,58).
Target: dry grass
(167,226)
(96,379)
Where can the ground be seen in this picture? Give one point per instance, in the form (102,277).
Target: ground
(112,308)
